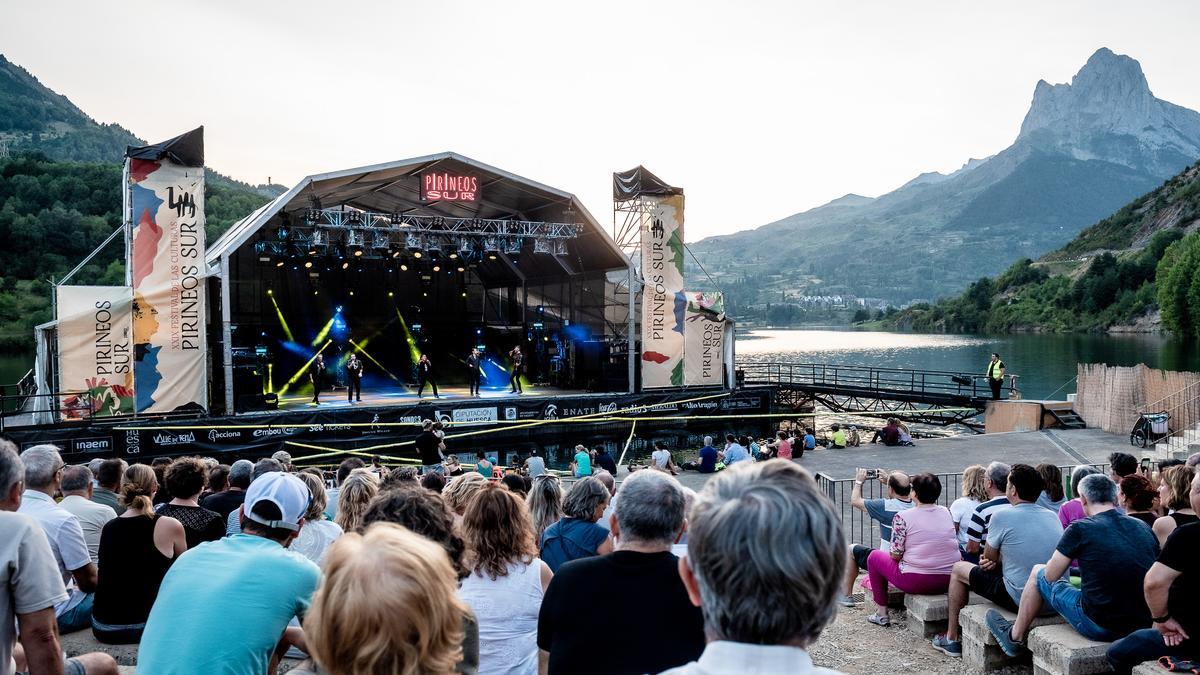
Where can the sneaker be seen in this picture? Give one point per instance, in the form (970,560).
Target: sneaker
(1001,628)
(947,646)
(846,601)
(879,620)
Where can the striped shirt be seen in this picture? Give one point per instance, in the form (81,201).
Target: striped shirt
(977,530)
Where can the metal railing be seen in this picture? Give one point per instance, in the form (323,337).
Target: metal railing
(14,396)
(941,384)
(1182,406)
(79,405)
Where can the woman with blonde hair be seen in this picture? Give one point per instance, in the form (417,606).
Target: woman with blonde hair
(359,488)
(460,489)
(545,503)
(974,492)
(386,604)
(1175,485)
(318,533)
(506,582)
(136,550)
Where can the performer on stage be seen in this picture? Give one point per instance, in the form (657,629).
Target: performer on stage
(473,371)
(354,373)
(518,369)
(316,373)
(425,372)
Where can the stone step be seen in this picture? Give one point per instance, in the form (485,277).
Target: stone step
(1149,668)
(980,651)
(1059,650)
(928,615)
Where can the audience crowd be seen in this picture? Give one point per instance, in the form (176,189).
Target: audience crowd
(214,568)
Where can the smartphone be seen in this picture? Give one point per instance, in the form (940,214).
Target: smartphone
(872,473)
(1145,465)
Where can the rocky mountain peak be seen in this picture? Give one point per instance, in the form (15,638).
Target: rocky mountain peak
(1108,94)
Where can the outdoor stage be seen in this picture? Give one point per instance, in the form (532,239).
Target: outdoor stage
(407,395)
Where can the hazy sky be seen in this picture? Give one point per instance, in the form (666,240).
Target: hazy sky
(757,109)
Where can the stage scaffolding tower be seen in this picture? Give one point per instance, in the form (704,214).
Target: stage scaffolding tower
(629,221)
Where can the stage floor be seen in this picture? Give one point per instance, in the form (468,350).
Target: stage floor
(402,395)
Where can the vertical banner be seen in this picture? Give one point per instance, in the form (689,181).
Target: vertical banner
(663,300)
(95,350)
(167,212)
(704,340)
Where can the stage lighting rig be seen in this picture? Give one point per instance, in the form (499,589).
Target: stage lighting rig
(541,245)
(513,246)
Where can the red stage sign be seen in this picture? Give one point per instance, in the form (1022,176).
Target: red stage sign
(448,187)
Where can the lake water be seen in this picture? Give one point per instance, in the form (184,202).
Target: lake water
(1045,363)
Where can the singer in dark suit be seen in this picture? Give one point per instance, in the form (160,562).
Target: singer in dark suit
(316,374)
(518,369)
(426,375)
(354,373)
(473,371)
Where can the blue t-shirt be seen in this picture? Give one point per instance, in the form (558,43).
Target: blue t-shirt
(708,459)
(583,464)
(223,606)
(570,539)
(810,442)
(735,453)
(884,511)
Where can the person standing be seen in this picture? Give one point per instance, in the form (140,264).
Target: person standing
(473,371)
(425,374)
(354,373)
(995,375)
(316,373)
(518,369)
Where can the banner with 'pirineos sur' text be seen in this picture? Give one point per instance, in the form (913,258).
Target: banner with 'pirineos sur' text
(95,351)
(663,300)
(168,272)
(704,340)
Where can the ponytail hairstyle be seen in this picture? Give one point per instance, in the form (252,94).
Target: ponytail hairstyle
(137,493)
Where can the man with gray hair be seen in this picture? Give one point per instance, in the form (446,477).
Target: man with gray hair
(995,483)
(765,550)
(77,500)
(32,585)
(1114,552)
(227,501)
(636,586)
(43,476)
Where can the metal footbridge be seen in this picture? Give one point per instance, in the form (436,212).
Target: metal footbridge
(938,397)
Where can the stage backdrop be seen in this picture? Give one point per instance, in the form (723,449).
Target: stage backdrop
(703,337)
(168,271)
(663,300)
(95,350)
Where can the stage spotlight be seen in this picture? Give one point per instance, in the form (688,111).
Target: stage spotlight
(314,292)
(437,268)
(461,268)
(464,294)
(417,255)
(279,264)
(453,255)
(358,252)
(492,256)
(345,265)
(403,267)
(351,293)
(396,254)
(391,294)
(307,264)
(355,218)
(338,309)
(270,292)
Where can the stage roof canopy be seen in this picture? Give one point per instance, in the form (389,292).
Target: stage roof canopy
(395,188)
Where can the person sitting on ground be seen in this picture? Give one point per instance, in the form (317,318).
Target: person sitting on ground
(661,460)
(637,586)
(853,440)
(708,457)
(995,483)
(605,460)
(1114,553)
(906,439)
(484,465)
(1052,496)
(1018,538)
(882,511)
(185,480)
(781,447)
(535,465)
(1121,464)
(581,465)
(810,440)
(43,473)
(136,550)
(108,484)
(318,533)
(1072,510)
(576,535)
(889,434)
(506,581)
(193,629)
(233,523)
(544,502)
(397,588)
(77,499)
(460,490)
(218,482)
(434,482)
(29,575)
(734,452)
(1171,588)
(515,483)
(343,472)
(923,549)
(1137,496)
(974,493)
(1173,491)
(837,438)
(761,617)
(356,494)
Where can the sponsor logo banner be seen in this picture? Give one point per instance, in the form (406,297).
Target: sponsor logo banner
(663,300)
(475,415)
(168,273)
(95,350)
(703,340)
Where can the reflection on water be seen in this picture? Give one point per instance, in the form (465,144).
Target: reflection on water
(1045,363)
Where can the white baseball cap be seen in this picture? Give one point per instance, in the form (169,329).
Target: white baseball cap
(288,493)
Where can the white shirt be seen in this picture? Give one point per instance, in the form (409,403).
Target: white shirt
(66,541)
(92,518)
(741,658)
(507,611)
(960,512)
(536,466)
(315,538)
(661,458)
